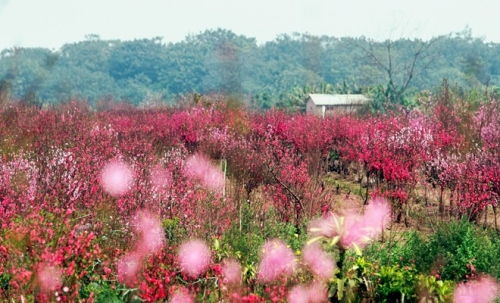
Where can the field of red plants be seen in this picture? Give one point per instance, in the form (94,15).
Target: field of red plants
(212,203)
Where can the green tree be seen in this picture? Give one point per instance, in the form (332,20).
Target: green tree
(130,59)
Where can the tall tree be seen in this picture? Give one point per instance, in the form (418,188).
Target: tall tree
(400,61)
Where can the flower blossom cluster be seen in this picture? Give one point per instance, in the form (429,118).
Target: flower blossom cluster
(277,259)
(116,178)
(151,239)
(194,257)
(320,262)
(199,167)
(354,230)
(484,290)
(314,293)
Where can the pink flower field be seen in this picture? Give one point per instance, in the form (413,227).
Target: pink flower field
(210,203)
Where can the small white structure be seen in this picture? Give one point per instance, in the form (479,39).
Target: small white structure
(322,104)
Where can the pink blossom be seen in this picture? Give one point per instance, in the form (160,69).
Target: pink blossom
(152,235)
(484,290)
(49,277)
(182,296)
(358,230)
(320,262)
(277,259)
(116,178)
(199,167)
(327,226)
(128,266)
(376,216)
(194,257)
(318,293)
(298,294)
(314,293)
(231,270)
(354,231)
(160,177)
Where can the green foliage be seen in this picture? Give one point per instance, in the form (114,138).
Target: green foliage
(402,251)
(244,243)
(219,61)
(461,244)
(360,280)
(349,283)
(174,233)
(4,281)
(395,283)
(432,290)
(456,251)
(103,291)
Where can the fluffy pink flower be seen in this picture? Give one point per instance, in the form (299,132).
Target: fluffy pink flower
(152,235)
(327,226)
(484,290)
(376,216)
(194,257)
(231,270)
(314,293)
(318,293)
(182,296)
(276,260)
(360,229)
(354,231)
(49,277)
(199,167)
(128,266)
(116,178)
(320,262)
(298,294)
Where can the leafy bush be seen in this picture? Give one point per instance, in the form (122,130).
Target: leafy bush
(458,250)
(464,250)
(395,283)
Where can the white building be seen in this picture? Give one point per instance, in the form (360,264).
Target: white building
(323,104)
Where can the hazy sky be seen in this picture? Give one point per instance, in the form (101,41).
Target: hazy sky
(51,23)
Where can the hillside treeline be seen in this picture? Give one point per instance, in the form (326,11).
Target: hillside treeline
(220,61)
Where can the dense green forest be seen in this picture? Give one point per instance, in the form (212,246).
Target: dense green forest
(278,72)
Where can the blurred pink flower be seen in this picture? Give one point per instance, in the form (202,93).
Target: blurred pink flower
(116,178)
(194,257)
(160,177)
(314,293)
(483,290)
(298,294)
(319,261)
(376,216)
(318,293)
(327,226)
(354,231)
(231,270)
(276,259)
(128,266)
(182,296)
(199,167)
(152,235)
(358,229)
(49,277)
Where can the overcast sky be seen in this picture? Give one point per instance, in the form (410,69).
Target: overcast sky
(52,23)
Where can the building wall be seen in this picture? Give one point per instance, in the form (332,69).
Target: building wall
(311,108)
(342,108)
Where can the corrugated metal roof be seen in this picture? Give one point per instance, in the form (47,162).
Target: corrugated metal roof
(325,99)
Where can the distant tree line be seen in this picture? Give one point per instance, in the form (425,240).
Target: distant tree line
(278,72)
